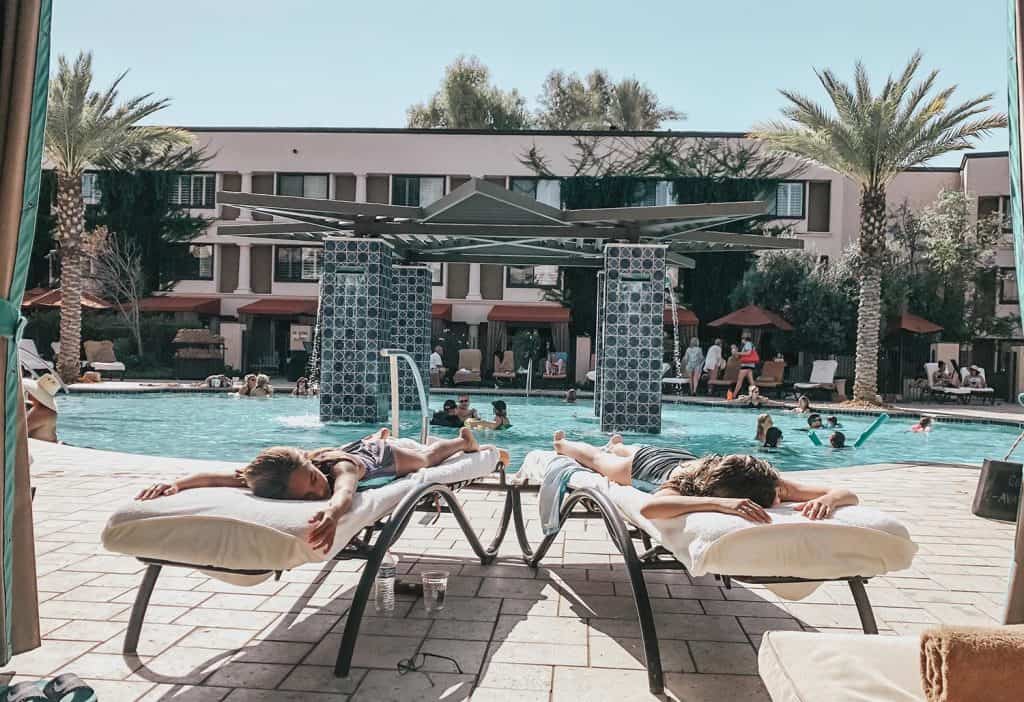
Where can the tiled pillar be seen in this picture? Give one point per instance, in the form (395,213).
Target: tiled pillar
(629,367)
(410,299)
(597,343)
(355,324)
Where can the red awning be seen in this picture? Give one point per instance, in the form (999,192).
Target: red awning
(38,298)
(915,325)
(279,306)
(752,316)
(686,318)
(180,303)
(439,310)
(528,313)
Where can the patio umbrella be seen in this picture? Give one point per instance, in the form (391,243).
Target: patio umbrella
(755,318)
(25,57)
(41,298)
(907,323)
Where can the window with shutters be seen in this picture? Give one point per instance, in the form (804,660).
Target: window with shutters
(532,276)
(298,264)
(416,191)
(90,189)
(789,200)
(312,185)
(194,190)
(192,262)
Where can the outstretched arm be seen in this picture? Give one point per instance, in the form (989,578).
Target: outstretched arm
(668,503)
(196,480)
(325,522)
(816,502)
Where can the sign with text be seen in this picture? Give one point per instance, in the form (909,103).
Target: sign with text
(301,335)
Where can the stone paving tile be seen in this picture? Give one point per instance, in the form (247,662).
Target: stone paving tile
(184,693)
(627,653)
(389,686)
(80,630)
(554,630)
(514,676)
(243,695)
(182,665)
(120,690)
(154,639)
(250,675)
(537,653)
(50,657)
(721,657)
(209,637)
(273,652)
(320,678)
(105,666)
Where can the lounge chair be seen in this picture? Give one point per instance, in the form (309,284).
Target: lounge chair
(771,377)
(30,358)
(985,393)
(99,356)
(469,367)
(792,556)
(672,382)
(728,379)
(562,361)
(231,535)
(506,370)
(823,378)
(939,392)
(826,667)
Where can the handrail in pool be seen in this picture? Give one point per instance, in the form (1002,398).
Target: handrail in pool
(393,355)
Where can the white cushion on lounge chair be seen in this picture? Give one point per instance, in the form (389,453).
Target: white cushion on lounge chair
(823,373)
(114,367)
(230,528)
(800,666)
(858,540)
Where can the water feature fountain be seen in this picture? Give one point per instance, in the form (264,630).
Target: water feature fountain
(677,355)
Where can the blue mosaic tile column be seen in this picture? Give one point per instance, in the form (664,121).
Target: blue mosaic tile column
(629,367)
(355,324)
(410,329)
(597,342)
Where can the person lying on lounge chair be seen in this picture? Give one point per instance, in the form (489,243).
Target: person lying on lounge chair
(736,484)
(288,473)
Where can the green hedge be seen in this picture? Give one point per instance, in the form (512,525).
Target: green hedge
(157,334)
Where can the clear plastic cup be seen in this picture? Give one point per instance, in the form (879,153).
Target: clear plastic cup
(435,587)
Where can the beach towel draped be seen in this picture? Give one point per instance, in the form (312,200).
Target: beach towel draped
(552,491)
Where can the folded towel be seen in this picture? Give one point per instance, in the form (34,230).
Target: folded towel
(552,490)
(973,663)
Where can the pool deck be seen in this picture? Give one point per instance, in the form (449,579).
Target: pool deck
(566,631)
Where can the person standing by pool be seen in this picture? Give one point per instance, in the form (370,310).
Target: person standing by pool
(713,361)
(748,362)
(737,484)
(501,420)
(41,418)
(693,363)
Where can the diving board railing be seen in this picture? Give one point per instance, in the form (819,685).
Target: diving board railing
(393,356)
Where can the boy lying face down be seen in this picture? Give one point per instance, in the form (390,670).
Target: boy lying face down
(736,484)
(287,473)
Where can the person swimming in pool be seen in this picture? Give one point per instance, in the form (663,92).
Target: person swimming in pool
(837,440)
(500,421)
(772,438)
(331,473)
(924,425)
(814,422)
(736,484)
(754,398)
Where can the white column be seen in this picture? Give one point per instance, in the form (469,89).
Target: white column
(474,335)
(218,185)
(217,250)
(474,282)
(246,188)
(360,187)
(244,269)
(330,186)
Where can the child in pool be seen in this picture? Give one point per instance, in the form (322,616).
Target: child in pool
(924,425)
(772,438)
(831,422)
(803,406)
(837,440)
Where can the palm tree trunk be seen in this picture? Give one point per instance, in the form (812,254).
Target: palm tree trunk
(70,233)
(872,248)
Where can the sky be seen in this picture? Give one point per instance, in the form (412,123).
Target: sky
(340,63)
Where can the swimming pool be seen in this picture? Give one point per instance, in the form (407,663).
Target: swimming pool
(226,427)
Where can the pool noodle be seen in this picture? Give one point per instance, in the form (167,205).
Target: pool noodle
(813,436)
(866,434)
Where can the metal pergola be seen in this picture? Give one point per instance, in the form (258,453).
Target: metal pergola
(480,222)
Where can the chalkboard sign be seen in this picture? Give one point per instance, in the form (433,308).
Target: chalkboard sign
(998,492)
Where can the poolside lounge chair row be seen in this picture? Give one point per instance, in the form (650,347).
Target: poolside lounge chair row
(255,541)
(99,356)
(963,393)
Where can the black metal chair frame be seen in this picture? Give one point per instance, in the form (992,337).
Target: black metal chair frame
(652,557)
(425,498)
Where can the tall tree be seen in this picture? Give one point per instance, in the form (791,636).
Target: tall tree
(870,138)
(597,102)
(87,128)
(467,100)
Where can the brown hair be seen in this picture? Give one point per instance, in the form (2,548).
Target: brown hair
(268,474)
(735,475)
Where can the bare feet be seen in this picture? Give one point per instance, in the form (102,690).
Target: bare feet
(383,434)
(558,440)
(471,446)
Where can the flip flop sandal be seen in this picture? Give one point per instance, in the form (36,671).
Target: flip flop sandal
(68,687)
(25,692)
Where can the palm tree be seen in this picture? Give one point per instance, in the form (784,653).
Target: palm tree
(84,129)
(870,139)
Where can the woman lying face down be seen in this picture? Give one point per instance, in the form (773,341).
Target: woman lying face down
(288,473)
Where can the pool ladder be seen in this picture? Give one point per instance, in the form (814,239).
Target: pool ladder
(393,355)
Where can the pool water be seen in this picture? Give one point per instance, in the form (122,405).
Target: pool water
(226,427)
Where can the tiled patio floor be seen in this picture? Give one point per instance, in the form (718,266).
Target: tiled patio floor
(564,632)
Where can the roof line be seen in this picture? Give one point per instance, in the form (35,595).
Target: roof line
(488,132)
(983,154)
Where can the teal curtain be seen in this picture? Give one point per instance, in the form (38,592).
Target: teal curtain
(25,54)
